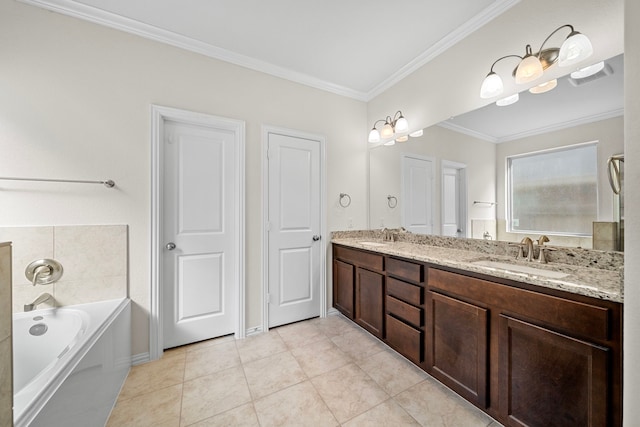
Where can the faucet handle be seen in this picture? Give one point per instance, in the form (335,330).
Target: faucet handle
(542,240)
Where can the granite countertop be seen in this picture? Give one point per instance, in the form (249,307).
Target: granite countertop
(601,283)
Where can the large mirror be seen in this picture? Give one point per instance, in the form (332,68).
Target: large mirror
(451,180)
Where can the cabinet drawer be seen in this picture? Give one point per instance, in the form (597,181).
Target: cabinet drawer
(404,291)
(576,318)
(404,311)
(359,258)
(405,270)
(405,339)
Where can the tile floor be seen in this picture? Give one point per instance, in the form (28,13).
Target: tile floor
(320,372)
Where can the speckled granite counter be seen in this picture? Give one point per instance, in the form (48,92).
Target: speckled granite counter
(596,274)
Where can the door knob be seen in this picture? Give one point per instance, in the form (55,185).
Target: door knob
(316,238)
(170,246)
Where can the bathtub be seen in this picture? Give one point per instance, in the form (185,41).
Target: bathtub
(70,363)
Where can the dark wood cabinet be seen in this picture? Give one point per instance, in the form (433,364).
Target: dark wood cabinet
(344,287)
(550,379)
(370,301)
(458,347)
(528,356)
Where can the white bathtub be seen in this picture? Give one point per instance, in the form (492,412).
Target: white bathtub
(69,363)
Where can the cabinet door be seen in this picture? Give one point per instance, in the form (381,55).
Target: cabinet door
(457,346)
(343,287)
(549,379)
(370,301)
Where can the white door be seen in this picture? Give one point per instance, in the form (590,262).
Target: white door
(294,246)
(450,203)
(199,233)
(454,216)
(417,194)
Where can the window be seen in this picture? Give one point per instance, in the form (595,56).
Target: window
(554,191)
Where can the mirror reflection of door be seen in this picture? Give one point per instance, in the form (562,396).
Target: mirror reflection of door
(417,193)
(454,215)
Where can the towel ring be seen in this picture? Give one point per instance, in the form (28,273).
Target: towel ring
(342,197)
(394,203)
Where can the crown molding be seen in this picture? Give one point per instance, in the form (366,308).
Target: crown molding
(537,131)
(118,22)
(478,21)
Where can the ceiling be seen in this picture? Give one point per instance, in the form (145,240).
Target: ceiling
(565,106)
(356,48)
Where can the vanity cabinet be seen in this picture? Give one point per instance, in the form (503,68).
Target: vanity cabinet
(526,355)
(404,308)
(358,287)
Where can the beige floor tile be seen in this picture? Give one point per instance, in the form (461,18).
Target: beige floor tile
(388,413)
(334,325)
(210,359)
(299,334)
(358,344)
(273,373)
(213,394)
(349,391)
(320,357)
(258,346)
(242,416)
(432,404)
(392,372)
(208,343)
(152,376)
(299,406)
(158,408)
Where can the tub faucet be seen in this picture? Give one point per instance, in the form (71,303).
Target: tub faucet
(42,298)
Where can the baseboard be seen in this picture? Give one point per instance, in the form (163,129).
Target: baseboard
(332,312)
(140,358)
(253,331)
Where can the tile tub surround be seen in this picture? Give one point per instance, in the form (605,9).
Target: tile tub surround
(314,379)
(94,258)
(592,273)
(6,354)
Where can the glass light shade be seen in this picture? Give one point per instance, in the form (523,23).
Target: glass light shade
(508,100)
(402,125)
(588,71)
(374,135)
(544,87)
(387,131)
(491,86)
(392,142)
(575,48)
(416,133)
(403,138)
(528,70)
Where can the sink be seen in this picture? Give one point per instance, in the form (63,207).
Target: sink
(372,244)
(515,268)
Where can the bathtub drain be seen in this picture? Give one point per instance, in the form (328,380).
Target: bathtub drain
(38,329)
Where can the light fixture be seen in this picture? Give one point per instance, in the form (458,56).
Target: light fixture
(403,138)
(544,87)
(587,71)
(416,133)
(508,100)
(531,67)
(393,128)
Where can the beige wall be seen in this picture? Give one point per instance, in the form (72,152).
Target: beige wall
(75,103)
(610,136)
(632,220)
(440,144)
(6,367)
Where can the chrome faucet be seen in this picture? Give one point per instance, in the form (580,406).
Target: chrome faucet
(42,298)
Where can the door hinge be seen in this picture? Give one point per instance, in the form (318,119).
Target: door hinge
(268,298)
(268,226)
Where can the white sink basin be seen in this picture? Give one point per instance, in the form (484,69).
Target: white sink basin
(514,268)
(372,243)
